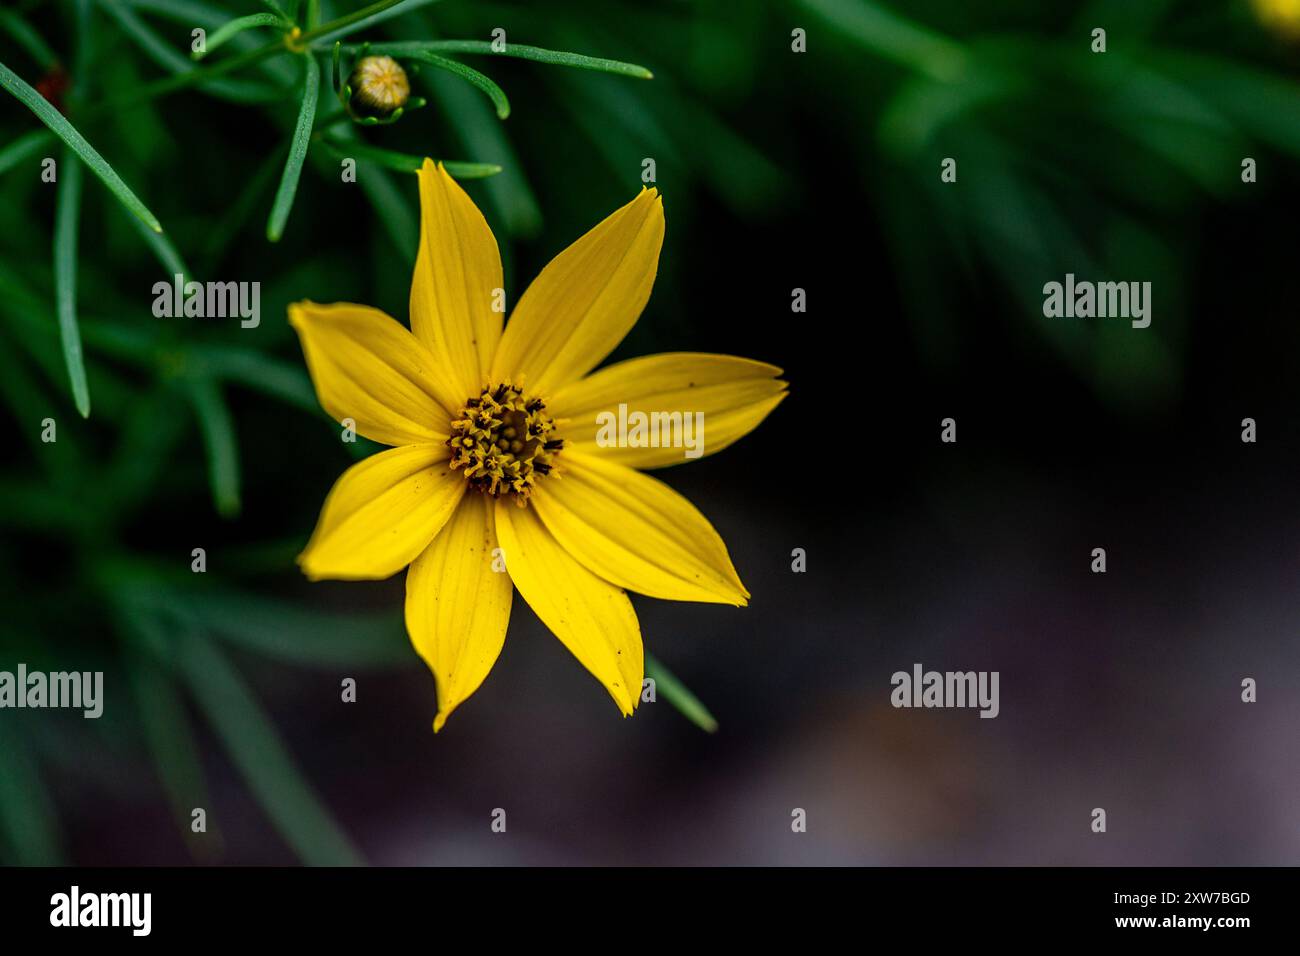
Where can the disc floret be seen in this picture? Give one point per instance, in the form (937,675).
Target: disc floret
(503,442)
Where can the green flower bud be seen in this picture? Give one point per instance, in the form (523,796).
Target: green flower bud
(379,87)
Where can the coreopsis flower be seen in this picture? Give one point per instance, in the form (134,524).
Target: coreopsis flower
(499,473)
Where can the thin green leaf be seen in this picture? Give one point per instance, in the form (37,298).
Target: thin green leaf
(222,233)
(510,195)
(406,162)
(394,211)
(148,39)
(391,206)
(255,746)
(170,736)
(27,38)
(279,379)
(519,51)
(67,211)
(23,148)
(195,13)
(219,439)
(84,42)
(892,36)
(362,19)
(234,28)
(164,251)
(153,424)
(26,807)
(169,58)
(298,634)
(55,120)
(22,392)
(199,13)
(677,694)
(468,73)
(297,152)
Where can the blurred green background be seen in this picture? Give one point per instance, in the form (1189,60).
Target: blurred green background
(780,170)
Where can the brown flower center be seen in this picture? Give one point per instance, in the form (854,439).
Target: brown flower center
(503,442)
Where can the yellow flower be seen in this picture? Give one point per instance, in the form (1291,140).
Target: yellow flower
(1282,15)
(498,472)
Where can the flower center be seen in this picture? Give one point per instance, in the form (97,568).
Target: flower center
(503,442)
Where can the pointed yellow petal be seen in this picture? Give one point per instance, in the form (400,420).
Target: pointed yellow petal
(585,301)
(457,606)
(456,282)
(733,394)
(368,368)
(591,617)
(381,513)
(636,532)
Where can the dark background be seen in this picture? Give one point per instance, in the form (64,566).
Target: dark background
(779,170)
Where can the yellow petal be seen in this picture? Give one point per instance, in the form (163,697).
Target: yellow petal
(590,616)
(457,605)
(456,281)
(368,368)
(636,532)
(733,394)
(584,301)
(382,512)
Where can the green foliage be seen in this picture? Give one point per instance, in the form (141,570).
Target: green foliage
(206,434)
(191,415)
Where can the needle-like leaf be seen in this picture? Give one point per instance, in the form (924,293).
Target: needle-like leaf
(24,147)
(406,162)
(537,54)
(677,694)
(67,211)
(219,438)
(164,251)
(468,73)
(170,736)
(27,818)
(297,152)
(257,750)
(364,18)
(234,28)
(56,121)
(28,39)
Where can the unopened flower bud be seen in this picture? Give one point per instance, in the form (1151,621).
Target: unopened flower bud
(379,87)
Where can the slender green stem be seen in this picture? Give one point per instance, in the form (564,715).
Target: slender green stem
(342,23)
